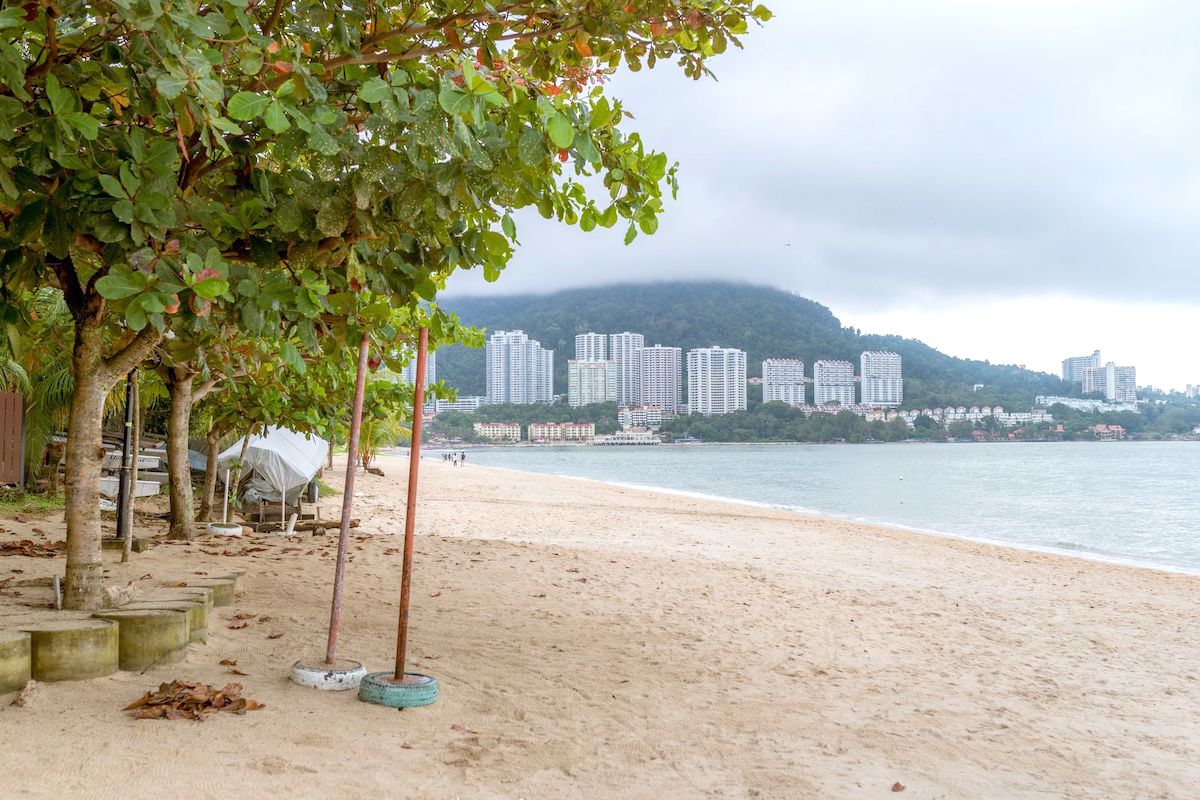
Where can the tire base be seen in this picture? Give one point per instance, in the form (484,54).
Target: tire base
(382,689)
(336,677)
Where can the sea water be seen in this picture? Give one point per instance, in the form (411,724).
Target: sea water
(1134,502)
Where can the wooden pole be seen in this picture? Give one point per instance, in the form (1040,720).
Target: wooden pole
(339,574)
(410,509)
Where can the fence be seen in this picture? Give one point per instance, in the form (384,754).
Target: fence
(12,443)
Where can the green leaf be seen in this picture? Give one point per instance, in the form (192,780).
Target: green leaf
(28,221)
(211,288)
(509,227)
(601,114)
(587,220)
(630,234)
(87,125)
(135,316)
(120,282)
(113,187)
(374,90)
(761,13)
(648,224)
(454,101)
(57,233)
(60,98)
(170,86)
(275,119)
(531,147)
(290,355)
(123,210)
(245,106)
(560,130)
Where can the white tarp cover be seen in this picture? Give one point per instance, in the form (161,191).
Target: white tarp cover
(284,458)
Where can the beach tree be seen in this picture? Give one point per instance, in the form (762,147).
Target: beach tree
(279,157)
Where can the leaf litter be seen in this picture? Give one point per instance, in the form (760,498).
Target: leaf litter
(195,701)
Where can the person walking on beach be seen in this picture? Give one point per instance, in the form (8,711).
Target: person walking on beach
(463,457)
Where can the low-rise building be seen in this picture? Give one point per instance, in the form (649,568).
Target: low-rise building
(561,431)
(648,417)
(498,431)
(464,403)
(633,436)
(1108,433)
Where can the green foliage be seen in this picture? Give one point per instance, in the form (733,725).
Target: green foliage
(459,425)
(15,502)
(766,323)
(778,422)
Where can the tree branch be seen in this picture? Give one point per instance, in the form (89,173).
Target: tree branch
(274,18)
(124,360)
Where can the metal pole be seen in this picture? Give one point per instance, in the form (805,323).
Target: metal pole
(410,509)
(124,529)
(335,611)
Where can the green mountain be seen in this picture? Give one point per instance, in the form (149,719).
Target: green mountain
(765,322)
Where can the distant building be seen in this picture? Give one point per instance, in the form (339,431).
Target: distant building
(591,382)
(629,437)
(409,372)
(561,431)
(833,382)
(716,380)
(1117,384)
(1084,404)
(519,369)
(591,347)
(622,349)
(1108,433)
(660,378)
(647,417)
(1191,391)
(498,431)
(464,403)
(1072,368)
(783,381)
(882,379)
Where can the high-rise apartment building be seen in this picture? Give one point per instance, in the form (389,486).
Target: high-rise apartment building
(1072,368)
(882,380)
(660,378)
(519,369)
(409,373)
(833,382)
(591,347)
(716,380)
(1117,384)
(783,381)
(591,382)
(622,349)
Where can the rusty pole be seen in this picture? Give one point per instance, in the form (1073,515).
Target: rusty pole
(410,509)
(339,574)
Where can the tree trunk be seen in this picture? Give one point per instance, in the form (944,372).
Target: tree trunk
(208,498)
(179,472)
(83,587)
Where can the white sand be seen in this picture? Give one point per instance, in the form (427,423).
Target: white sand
(600,642)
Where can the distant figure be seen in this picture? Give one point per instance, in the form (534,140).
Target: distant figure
(463,457)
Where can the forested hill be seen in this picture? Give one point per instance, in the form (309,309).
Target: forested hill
(766,323)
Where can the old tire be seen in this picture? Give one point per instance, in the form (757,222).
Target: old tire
(336,677)
(382,689)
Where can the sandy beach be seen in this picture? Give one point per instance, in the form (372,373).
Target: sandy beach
(594,641)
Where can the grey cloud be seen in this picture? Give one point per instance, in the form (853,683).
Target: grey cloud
(937,148)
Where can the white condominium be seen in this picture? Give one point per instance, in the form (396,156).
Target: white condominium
(882,381)
(716,380)
(833,382)
(1117,384)
(660,378)
(591,347)
(622,349)
(519,370)
(783,380)
(1072,368)
(591,382)
(410,369)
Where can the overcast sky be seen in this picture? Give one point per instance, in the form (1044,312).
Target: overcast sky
(1013,180)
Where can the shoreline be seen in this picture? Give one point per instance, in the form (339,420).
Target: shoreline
(819,516)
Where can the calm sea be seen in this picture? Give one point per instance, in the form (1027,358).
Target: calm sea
(1136,502)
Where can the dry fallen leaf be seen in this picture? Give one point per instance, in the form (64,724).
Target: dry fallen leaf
(436,594)
(461,728)
(228,662)
(274,635)
(236,671)
(406,746)
(898,787)
(244,615)
(23,696)
(196,701)
(236,624)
